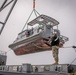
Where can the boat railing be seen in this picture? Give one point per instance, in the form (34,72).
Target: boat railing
(29,32)
(64,38)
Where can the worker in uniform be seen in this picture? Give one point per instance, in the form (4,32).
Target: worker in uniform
(54,44)
(55,47)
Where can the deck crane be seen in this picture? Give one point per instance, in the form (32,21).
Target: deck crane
(3,6)
(30,40)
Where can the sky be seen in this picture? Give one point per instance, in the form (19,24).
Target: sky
(63,11)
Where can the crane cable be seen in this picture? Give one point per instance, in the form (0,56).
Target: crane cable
(35,12)
(60,47)
(75,57)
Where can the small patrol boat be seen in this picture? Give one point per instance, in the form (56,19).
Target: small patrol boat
(31,39)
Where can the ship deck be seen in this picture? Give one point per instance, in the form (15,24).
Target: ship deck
(28,69)
(41,73)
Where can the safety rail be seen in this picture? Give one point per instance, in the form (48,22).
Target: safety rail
(11,68)
(30,32)
(28,68)
(21,68)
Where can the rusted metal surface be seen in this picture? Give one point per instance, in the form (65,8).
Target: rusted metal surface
(36,46)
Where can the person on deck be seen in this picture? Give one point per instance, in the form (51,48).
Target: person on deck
(54,44)
(55,47)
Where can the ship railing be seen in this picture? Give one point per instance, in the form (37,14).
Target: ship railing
(27,68)
(39,69)
(24,68)
(11,68)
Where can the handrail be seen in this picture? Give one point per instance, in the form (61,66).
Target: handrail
(40,68)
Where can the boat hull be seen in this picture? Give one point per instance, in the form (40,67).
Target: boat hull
(34,47)
(30,45)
